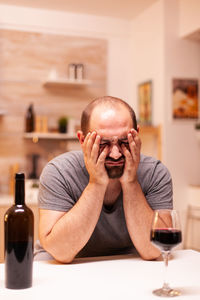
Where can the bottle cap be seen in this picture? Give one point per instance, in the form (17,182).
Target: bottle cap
(19,176)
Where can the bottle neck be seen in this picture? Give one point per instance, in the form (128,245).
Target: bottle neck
(19,192)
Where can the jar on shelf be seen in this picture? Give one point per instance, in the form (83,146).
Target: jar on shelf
(79,71)
(72,71)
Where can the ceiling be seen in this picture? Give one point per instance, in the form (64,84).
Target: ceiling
(124,9)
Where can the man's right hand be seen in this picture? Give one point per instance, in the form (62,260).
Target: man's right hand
(95,161)
(64,234)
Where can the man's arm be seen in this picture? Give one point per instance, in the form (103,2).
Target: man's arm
(62,234)
(137,211)
(139,216)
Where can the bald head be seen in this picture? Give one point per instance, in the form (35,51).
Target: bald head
(107,105)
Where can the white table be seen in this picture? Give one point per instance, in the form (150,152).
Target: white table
(111,278)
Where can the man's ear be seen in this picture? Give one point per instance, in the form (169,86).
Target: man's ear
(80,136)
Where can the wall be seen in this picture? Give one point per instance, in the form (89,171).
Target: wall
(147,48)
(26,61)
(189,17)
(182,150)
(148,56)
(161,56)
(157,53)
(116,68)
(115,31)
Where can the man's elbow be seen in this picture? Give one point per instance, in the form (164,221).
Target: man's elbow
(151,254)
(150,257)
(60,254)
(64,259)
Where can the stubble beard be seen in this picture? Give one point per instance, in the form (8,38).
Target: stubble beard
(114,171)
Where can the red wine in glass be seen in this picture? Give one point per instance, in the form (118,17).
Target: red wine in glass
(165,235)
(166,238)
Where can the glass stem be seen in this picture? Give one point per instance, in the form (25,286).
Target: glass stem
(165,255)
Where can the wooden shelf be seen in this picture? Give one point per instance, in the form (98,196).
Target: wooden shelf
(35,136)
(66,82)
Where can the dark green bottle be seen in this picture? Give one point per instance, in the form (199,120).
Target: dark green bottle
(19,240)
(30,119)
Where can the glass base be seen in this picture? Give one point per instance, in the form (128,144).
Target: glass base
(166,292)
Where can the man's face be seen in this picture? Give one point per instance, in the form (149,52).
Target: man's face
(113,125)
(115,159)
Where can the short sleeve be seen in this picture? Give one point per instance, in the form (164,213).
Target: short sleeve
(54,193)
(159,193)
(156,183)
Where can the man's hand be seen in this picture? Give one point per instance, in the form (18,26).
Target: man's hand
(132,157)
(95,161)
(64,234)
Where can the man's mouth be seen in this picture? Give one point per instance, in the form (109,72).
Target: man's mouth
(113,162)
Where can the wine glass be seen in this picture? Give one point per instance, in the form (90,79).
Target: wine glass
(166,234)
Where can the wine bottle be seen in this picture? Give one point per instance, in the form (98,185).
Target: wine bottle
(30,119)
(19,239)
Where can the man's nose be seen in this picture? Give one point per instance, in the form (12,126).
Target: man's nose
(115,152)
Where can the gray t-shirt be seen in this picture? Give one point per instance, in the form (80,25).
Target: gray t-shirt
(65,177)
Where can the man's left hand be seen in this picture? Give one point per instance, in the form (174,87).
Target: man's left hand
(132,157)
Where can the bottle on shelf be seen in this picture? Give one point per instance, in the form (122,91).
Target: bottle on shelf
(30,119)
(19,239)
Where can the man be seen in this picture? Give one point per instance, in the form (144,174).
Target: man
(100,201)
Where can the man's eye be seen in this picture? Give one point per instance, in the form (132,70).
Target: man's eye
(104,144)
(126,143)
